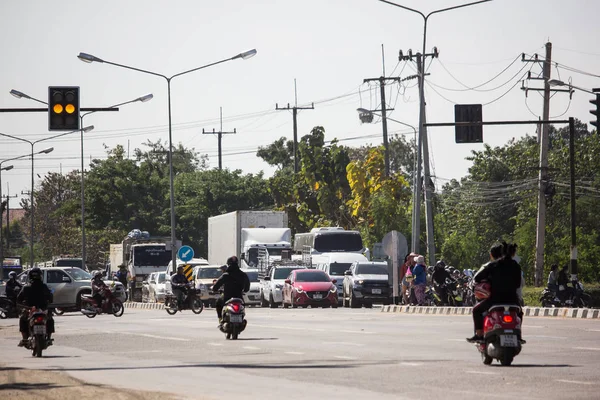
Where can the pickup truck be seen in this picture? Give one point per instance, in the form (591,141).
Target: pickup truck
(271,286)
(365,283)
(69,284)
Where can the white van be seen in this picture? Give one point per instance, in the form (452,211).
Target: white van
(335,264)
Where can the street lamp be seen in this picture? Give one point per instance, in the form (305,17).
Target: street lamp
(88,58)
(45,151)
(142,99)
(423,132)
(556,82)
(367,116)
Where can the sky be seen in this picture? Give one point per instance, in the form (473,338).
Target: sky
(328,47)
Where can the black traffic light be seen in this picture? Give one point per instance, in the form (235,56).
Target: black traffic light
(3,207)
(596,112)
(468,113)
(63,108)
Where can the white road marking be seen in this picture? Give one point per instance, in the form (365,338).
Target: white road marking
(546,337)
(295,353)
(139,351)
(251,348)
(411,364)
(456,340)
(587,348)
(367,332)
(533,326)
(215,344)
(153,336)
(345,357)
(593,330)
(290,328)
(481,372)
(344,344)
(575,382)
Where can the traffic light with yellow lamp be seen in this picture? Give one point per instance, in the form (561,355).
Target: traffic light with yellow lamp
(63,108)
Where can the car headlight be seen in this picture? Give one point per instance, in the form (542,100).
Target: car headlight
(333,289)
(358,283)
(299,290)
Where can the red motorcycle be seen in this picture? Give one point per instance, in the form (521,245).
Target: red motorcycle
(110,304)
(38,336)
(502,334)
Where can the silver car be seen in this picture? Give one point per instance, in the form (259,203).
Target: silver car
(68,284)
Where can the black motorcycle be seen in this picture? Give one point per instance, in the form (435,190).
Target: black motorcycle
(191,300)
(573,296)
(8,308)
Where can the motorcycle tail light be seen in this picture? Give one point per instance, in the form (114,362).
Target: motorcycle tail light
(507,319)
(236,307)
(39,319)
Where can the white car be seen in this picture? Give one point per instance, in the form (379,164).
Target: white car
(155,287)
(253,296)
(271,286)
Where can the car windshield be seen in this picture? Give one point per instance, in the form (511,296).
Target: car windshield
(372,269)
(78,274)
(151,256)
(311,276)
(210,273)
(161,277)
(338,242)
(282,273)
(252,275)
(338,269)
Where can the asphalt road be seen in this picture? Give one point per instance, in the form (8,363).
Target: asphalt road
(316,353)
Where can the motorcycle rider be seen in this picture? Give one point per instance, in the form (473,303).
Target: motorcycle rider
(13,287)
(562,282)
(438,278)
(504,276)
(178,283)
(35,294)
(553,279)
(98,287)
(235,283)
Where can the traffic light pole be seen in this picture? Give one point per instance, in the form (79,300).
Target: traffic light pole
(571,122)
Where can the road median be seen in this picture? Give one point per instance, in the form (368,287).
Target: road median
(582,313)
(144,306)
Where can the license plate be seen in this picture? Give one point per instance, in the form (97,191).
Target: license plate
(508,341)
(317,296)
(376,291)
(39,329)
(237,318)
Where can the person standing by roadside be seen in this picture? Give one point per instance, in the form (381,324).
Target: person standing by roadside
(420,280)
(553,278)
(409,262)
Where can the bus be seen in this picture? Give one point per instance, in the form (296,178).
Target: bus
(328,240)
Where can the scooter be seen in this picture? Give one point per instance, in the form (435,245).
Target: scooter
(110,305)
(234,321)
(502,334)
(190,302)
(38,338)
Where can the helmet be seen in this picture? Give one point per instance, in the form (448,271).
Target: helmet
(12,274)
(440,264)
(97,274)
(482,290)
(233,260)
(35,274)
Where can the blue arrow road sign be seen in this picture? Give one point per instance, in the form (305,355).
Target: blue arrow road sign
(185,253)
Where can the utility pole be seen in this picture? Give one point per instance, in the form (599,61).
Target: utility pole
(382,80)
(7,197)
(295,109)
(424,143)
(543,140)
(219,134)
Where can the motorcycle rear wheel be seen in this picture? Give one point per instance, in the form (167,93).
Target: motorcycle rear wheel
(507,358)
(197,306)
(234,332)
(38,345)
(487,360)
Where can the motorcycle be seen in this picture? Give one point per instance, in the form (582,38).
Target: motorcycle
(110,305)
(502,335)
(574,297)
(455,298)
(8,308)
(38,337)
(234,321)
(191,300)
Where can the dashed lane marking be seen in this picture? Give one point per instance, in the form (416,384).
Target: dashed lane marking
(215,344)
(587,348)
(294,353)
(481,372)
(411,364)
(345,357)
(251,348)
(344,344)
(365,332)
(575,382)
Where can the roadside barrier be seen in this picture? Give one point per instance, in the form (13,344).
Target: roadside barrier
(144,306)
(584,313)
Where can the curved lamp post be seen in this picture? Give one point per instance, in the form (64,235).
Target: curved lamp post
(142,99)
(45,151)
(88,58)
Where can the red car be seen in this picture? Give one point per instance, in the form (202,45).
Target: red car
(309,287)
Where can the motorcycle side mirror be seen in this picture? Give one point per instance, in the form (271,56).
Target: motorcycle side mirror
(288,281)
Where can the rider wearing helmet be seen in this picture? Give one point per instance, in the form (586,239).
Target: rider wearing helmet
(98,287)
(13,287)
(440,274)
(235,283)
(35,294)
(179,283)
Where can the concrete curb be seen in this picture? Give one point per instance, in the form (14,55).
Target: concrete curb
(583,313)
(144,306)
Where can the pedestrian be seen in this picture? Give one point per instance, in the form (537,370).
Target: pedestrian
(420,280)
(553,279)
(562,281)
(406,275)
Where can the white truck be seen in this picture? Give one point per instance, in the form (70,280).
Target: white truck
(242,233)
(141,256)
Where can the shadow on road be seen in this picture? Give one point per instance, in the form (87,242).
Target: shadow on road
(28,386)
(259,338)
(540,365)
